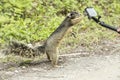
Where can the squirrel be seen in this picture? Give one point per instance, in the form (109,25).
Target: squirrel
(50,46)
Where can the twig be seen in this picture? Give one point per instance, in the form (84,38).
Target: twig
(75,54)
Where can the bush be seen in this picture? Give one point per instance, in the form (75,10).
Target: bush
(34,20)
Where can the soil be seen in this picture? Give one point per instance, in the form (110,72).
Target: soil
(100,62)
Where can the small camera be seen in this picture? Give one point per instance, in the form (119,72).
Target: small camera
(90,12)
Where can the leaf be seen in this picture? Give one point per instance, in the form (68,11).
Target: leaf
(4,19)
(21,3)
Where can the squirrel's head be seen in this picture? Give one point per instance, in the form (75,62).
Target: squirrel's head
(74,17)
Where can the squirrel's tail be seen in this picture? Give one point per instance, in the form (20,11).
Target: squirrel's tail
(24,50)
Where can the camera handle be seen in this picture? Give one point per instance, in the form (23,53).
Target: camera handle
(97,20)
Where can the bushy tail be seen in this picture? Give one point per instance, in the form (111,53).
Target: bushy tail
(24,50)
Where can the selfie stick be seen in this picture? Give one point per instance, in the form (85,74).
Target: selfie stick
(103,24)
(91,13)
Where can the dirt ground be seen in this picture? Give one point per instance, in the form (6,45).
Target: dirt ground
(100,62)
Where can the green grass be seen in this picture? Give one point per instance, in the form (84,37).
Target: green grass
(32,21)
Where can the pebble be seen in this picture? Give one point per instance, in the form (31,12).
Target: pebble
(16,71)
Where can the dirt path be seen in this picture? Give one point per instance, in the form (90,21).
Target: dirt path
(92,67)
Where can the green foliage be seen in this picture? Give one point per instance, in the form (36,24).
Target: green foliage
(35,20)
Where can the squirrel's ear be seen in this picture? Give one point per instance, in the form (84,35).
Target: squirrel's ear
(73,15)
(69,15)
